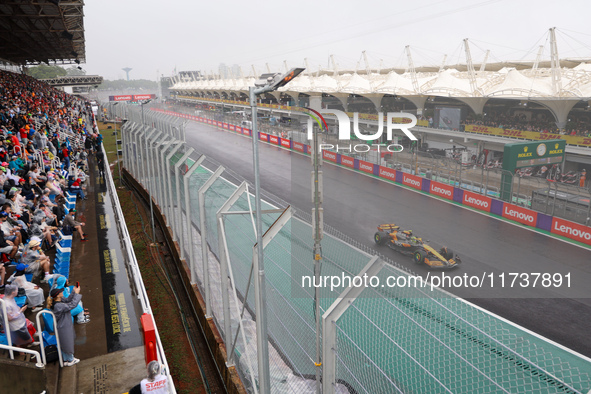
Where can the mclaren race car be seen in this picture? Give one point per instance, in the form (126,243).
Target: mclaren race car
(403,241)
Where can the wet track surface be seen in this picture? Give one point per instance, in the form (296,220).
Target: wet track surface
(355,204)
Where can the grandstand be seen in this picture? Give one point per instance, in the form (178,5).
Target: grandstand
(62,221)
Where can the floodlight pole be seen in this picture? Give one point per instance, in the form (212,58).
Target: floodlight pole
(259,283)
(259,262)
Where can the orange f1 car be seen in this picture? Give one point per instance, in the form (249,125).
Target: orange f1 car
(403,241)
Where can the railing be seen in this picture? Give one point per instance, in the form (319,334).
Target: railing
(11,349)
(134,268)
(55,332)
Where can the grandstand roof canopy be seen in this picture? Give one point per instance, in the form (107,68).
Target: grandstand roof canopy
(36,31)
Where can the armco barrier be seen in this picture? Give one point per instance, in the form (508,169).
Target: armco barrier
(528,217)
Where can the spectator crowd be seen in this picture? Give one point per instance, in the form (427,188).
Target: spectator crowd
(576,126)
(46,136)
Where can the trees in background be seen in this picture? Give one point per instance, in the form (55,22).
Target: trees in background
(43,71)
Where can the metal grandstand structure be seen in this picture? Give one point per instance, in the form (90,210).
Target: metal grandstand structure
(548,83)
(42,31)
(74,80)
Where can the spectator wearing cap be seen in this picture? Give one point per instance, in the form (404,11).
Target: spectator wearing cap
(35,296)
(27,190)
(16,163)
(53,185)
(81,315)
(35,258)
(17,220)
(71,222)
(61,307)
(16,201)
(10,174)
(76,189)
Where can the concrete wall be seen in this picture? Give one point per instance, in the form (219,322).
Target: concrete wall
(19,377)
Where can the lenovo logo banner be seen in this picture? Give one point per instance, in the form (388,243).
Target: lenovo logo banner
(298,146)
(133,97)
(330,156)
(120,98)
(348,161)
(263,137)
(274,140)
(442,190)
(365,166)
(412,181)
(477,201)
(285,143)
(571,230)
(520,214)
(387,173)
(138,97)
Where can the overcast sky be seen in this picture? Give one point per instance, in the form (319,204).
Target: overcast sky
(189,35)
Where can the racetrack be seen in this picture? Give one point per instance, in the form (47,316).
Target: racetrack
(355,204)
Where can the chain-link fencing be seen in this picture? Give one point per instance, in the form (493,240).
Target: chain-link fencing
(375,339)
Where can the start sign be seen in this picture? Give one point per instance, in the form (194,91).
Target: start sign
(531,154)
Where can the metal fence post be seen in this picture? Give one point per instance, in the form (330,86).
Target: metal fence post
(188,235)
(159,165)
(132,156)
(224,268)
(329,327)
(145,163)
(152,143)
(177,220)
(168,195)
(203,231)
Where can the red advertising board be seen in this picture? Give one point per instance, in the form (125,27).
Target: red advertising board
(388,173)
(571,230)
(442,190)
(120,98)
(285,143)
(347,161)
(225,125)
(246,131)
(412,181)
(520,214)
(366,166)
(477,201)
(209,121)
(220,124)
(274,140)
(298,146)
(232,128)
(138,97)
(264,137)
(330,156)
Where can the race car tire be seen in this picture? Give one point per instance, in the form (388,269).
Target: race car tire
(419,256)
(447,253)
(380,238)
